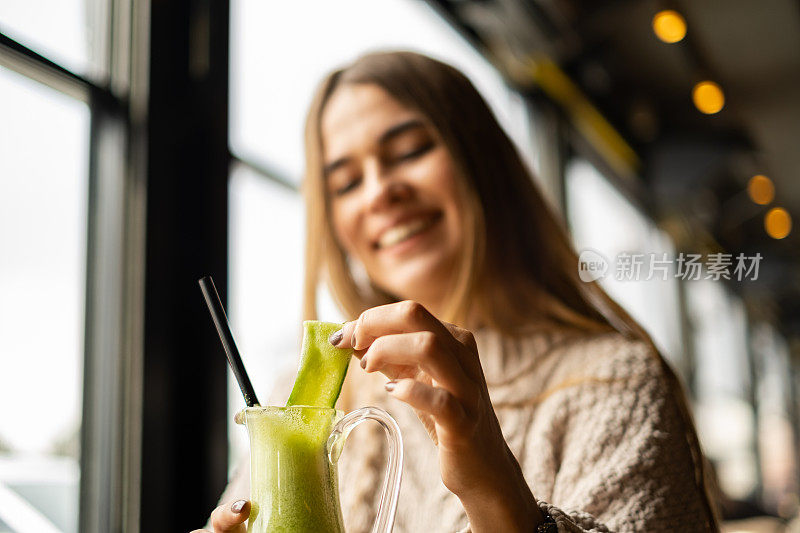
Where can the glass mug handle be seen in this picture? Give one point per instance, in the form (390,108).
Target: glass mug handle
(387,508)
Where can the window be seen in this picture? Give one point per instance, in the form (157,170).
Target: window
(266,271)
(275,67)
(725,413)
(63,266)
(69,32)
(776,439)
(601,219)
(44,156)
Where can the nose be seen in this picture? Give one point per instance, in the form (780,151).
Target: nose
(383,188)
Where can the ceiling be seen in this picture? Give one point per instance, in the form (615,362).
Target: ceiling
(695,167)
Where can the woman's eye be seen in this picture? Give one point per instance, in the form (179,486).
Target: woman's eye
(414,153)
(347,187)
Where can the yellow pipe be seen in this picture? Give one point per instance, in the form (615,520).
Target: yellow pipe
(587,119)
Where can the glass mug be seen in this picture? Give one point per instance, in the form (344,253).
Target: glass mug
(293,476)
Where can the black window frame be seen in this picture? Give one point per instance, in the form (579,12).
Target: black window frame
(153,430)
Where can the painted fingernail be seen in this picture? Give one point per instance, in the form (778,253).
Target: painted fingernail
(390,385)
(353,341)
(363,362)
(237,506)
(336,337)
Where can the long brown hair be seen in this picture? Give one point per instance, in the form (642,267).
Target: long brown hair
(517,268)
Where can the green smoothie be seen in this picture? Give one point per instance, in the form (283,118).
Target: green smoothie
(293,483)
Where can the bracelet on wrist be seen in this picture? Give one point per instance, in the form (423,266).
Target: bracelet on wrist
(549,524)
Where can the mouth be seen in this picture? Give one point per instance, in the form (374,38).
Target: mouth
(406,230)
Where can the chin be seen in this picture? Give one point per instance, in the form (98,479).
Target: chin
(416,278)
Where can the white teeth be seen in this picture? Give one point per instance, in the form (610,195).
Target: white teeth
(402,232)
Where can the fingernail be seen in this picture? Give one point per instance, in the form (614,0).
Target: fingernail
(390,385)
(353,341)
(336,337)
(238,506)
(363,362)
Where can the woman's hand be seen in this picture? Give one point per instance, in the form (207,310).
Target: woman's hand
(229,518)
(434,367)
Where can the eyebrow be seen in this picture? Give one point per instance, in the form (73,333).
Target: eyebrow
(385,137)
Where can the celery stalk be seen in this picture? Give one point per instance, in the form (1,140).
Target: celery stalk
(322,367)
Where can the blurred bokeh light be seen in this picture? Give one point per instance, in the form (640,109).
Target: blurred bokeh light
(761,189)
(669,26)
(778,223)
(708,97)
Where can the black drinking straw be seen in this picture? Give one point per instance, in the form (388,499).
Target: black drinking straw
(225,335)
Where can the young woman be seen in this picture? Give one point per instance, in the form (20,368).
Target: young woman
(536,402)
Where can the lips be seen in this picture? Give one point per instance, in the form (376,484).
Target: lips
(406,229)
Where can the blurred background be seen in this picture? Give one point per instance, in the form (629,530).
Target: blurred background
(146,144)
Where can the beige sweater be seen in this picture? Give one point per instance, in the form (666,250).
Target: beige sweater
(589,418)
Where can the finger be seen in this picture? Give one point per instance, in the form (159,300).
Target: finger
(398,371)
(440,404)
(229,518)
(423,350)
(464,336)
(341,338)
(400,317)
(471,365)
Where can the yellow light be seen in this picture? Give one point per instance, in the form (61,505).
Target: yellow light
(778,223)
(708,97)
(761,189)
(669,26)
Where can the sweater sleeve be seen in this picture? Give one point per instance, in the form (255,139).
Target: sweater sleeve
(619,456)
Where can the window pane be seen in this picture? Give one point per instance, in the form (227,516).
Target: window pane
(603,220)
(69,32)
(281,50)
(725,417)
(266,272)
(776,440)
(44,148)
(266,243)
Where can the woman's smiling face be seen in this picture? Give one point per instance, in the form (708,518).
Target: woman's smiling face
(391,183)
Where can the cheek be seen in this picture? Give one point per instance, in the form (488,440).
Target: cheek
(441,173)
(448,189)
(445,186)
(344,227)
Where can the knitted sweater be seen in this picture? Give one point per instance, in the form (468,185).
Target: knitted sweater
(589,418)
